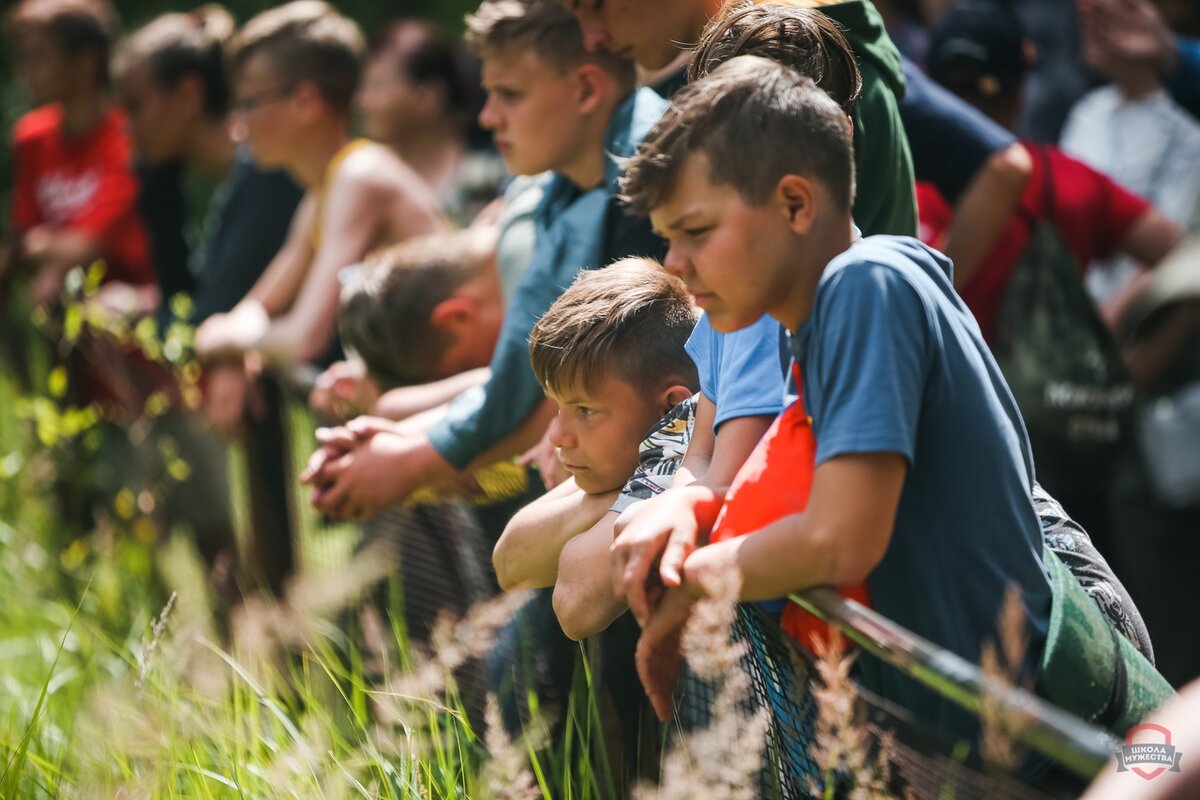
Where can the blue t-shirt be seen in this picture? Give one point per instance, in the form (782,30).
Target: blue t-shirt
(893,361)
(741,372)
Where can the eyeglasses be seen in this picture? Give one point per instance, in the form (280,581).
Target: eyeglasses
(247,104)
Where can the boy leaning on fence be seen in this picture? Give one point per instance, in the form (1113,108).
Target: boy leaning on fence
(296,68)
(551,106)
(610,353)
(907,405)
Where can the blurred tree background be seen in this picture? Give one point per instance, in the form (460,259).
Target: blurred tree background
(370,14)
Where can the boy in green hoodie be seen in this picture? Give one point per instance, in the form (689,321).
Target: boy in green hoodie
(647,32)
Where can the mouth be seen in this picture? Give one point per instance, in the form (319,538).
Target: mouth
(502,146)
(701,298)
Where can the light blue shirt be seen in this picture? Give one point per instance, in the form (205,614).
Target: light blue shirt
(741,372)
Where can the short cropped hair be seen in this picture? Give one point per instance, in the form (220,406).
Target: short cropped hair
(75,26)
(755,121)
(628,321)
(306,40)
(385,311)
(545,27)
(427,55)
(804,39)
(175,46)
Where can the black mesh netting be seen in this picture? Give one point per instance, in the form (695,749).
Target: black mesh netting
(779,672)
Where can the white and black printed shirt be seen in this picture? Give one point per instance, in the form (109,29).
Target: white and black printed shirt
(660,455)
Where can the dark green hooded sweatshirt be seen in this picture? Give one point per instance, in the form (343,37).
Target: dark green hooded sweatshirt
(885,202)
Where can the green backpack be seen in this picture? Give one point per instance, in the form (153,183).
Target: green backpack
(1061,362)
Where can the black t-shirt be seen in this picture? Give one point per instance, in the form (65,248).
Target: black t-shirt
(249,221)
(245,225)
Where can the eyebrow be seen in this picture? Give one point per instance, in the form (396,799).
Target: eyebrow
(679,222)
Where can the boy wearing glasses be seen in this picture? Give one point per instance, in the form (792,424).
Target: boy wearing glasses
(296,69)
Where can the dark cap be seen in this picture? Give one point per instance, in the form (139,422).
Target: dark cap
(978,48)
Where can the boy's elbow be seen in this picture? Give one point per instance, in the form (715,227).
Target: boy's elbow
(849,564)
(572,614)
(501,564)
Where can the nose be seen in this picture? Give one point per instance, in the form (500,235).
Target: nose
(676,262)
(558,435)
(489,117)
(595,35)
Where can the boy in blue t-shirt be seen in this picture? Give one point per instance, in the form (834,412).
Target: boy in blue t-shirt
(923,474)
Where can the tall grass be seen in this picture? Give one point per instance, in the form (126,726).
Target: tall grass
(107,689)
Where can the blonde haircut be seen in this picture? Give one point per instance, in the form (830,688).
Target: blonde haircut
(628,321)
(544,27)
(306,41)
(385,312)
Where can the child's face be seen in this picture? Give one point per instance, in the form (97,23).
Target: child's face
(532,112)
(264,107)
(597,432)
(647,32)
(158,118)
(42,66)
(738,260)
(389,104)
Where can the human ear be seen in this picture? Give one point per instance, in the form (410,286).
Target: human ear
(675,395)
(590,84)
(796,198)
(453,312)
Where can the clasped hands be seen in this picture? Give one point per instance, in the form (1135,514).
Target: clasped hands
(357,469)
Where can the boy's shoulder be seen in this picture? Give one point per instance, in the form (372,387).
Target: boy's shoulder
(903,256)
(363,165)
(38,124)
(660,455)
(897,279)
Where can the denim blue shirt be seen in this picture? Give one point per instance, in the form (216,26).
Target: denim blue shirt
(573,229)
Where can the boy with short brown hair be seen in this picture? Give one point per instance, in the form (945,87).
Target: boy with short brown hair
(424,310)
(907,406)
(610,353)
(570,112)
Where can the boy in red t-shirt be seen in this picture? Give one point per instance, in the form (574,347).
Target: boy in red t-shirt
(980,53)
(74,194)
